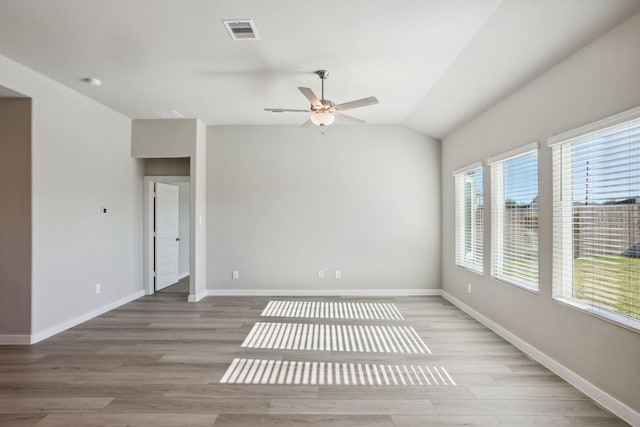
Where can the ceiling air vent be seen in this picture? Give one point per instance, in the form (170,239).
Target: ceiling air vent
(168,114)
(242,29)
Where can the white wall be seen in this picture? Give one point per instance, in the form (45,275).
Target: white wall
(199,178)
(285,202)
(598,81)
(81,161)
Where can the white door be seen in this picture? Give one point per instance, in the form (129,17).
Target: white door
(167,240)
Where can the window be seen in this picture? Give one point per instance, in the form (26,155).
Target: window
(514,217)
(469,217)
(596,214)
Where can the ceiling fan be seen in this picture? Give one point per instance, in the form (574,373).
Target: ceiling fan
(323,111)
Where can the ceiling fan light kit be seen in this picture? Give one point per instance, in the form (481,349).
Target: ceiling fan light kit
(324,112)
(321,118)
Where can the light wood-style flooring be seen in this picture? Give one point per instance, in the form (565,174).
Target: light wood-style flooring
(158,361)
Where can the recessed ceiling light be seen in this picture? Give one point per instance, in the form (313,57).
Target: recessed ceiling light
(93,81)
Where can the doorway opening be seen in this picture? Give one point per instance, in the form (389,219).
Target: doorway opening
(167,227)
(171,237)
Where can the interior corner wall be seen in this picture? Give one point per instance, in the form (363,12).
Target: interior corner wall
(81,162)
(286,202)
(598,81)
(15,217)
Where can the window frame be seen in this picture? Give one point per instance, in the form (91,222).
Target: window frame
(460,235)
(496,165)
(562,241)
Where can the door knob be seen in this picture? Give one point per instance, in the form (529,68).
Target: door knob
(177,239)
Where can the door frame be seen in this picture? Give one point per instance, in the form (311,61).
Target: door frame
(148,247)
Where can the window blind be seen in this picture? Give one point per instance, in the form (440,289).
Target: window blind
(469,213)
(596,211)
(514,218)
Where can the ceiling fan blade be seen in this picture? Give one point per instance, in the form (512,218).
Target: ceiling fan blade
(286,110)
(313,99)
(357,103)
(307,124)
(347,118)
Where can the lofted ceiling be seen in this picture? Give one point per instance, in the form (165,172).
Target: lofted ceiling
(433,64)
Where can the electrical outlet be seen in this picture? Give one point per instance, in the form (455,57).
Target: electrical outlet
(235,274)
(338,274)
(98,288)
(320,274)
(469,288)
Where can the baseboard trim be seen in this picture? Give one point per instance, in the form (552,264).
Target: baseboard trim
(197,297)
(15,339)
(324,292)
(600,396)
(67,324)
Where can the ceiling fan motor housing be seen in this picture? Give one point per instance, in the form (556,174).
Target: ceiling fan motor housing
(326,105)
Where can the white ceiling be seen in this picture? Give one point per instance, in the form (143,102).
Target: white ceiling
(432,63)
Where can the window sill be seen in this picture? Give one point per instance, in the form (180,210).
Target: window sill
(611,317)
(471,269)
(521,285)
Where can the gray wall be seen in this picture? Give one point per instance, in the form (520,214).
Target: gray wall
(285,202)
(167,167)
(81,161)
(598,81)
(15,216)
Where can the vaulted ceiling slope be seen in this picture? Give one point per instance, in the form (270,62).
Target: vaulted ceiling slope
(433,64)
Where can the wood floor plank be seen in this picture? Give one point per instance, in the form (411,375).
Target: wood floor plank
(351,406)
(563,391)
(188,405)
(50,404)
(479,421)
(158,361)
(528,407)
(241,420)
(93,419)
(20,420)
